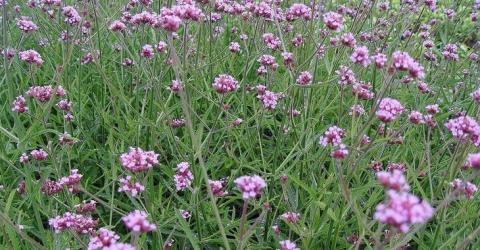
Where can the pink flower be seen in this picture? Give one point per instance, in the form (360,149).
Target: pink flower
(332,136)
(298,10)
(19,105)
(297,40)
(39,154)
(250,186)
(102,238)
(287,58)
(234,47)
(26,25)
(117,26)
(267,60)
(363,90)
(50,187)
(144,17)
(86,207)
(183,177)
(465,127)
(467,188)
(40,93)
(119,246)
(393,180)
(389,109)
(127,185)
(346,76)
(403,209)
(333,20)
(185,214)
(161,47)
(72,181)
(475,95)
(271,41)
(177,122)
(217,187)
(70,221)
(147,51)
(137,222)
(402,61)
(224,84)
(473,161)
(24,158)
(137,160)
(340,153)
(380,60)
(71,15)
(360,56)
(64,105)
(416,117)
(356,110)
(31,56)
(269,99)
(288,245)
(348,40)
(176,86)
(305,78)
(168,20)
(290,217)
(432,109)
(188,12)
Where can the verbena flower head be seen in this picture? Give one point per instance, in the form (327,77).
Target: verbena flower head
(234,47)
(137,222)
(393,180)
(305,78)
(31,56)
(147,51)
(475,95)
(137,160)
(288,245)
(127,185)
(348,39)
(298,10)
(269,99)
(416,117)
(117,25)
(250,186)
(183,177)
(333,20)
(50,187)
(72,181)
(71,15)
(271,41)
(360,56)
(332,136)
(26,25)
(389,109)
(224,84)
(86,207)
(464,127)
(119,246)
(168,20)
(19,105)
(290,217)
(39,154)
(40,93)
(346,76)
(217,187)
(402,210)
(473,161)
(70,221)
(464,187)
(102,238)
